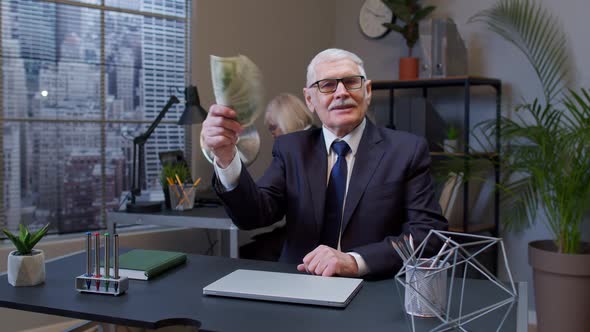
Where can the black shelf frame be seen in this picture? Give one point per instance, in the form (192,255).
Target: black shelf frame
(466,82)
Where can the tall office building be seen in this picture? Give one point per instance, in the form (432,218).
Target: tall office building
(163,53)
(32,24)
(14,104)
(125,70)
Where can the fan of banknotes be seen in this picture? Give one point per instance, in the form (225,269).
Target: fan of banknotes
(237,83)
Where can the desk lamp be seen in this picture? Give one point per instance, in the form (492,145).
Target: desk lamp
(192,106)
(193,112)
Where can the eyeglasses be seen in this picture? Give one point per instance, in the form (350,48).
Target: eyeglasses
(330,85)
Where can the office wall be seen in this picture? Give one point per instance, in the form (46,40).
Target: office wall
(488,55)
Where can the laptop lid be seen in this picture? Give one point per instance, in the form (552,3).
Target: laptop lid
(286,287)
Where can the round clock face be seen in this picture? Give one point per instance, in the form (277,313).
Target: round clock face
(372,16)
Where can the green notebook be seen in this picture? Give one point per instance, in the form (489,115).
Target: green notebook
(144,264)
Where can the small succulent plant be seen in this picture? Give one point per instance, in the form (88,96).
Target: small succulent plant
(26,241)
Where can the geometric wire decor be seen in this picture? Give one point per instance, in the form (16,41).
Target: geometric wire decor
(438,287)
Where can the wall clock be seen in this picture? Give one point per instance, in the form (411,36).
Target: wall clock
(372,16)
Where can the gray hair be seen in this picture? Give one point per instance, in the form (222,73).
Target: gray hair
(329,55)
(288,112)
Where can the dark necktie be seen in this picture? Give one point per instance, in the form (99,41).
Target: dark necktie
(335,196)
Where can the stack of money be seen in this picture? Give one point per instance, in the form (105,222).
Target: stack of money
(237,83)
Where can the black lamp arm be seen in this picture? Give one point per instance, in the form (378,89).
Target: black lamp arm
(144,137)
(137,172)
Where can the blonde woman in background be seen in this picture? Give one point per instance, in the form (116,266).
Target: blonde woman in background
(285,114)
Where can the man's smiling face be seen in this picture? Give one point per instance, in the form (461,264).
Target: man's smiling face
(342,110)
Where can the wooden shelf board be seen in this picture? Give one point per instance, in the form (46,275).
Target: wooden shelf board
(472,228)
(488,155)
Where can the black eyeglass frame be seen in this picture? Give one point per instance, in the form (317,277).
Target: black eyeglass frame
(338,81)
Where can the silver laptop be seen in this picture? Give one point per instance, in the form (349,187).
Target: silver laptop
(286,287)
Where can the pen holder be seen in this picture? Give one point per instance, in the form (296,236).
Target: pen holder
(182,197)
(426,290)
(102,285)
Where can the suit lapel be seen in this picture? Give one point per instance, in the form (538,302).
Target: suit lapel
(316,170)
(367,158)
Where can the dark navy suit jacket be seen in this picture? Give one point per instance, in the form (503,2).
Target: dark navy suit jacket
(390,193)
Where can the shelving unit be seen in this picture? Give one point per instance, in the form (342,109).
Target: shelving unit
(466,82)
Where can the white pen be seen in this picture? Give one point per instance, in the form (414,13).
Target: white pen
(399,251)
(442,249)
(444,261)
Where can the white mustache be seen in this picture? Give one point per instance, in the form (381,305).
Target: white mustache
(343,104)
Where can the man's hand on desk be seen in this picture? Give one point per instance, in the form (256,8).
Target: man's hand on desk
(328,262)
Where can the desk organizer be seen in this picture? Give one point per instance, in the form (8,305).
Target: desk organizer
(97,283)
(102,285)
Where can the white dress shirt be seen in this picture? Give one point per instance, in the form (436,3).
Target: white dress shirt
(229,177)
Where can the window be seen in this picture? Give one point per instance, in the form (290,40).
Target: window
(80,79)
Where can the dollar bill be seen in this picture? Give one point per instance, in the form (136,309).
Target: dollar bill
(237,83)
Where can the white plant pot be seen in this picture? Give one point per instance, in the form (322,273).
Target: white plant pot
(450,145)
(27,270)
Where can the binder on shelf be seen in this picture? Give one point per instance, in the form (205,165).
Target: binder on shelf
(443,50)
(454,211)
(142,264)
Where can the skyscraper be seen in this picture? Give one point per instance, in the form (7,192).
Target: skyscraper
(163,53)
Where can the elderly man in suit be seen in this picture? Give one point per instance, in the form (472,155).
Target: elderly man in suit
(346,190)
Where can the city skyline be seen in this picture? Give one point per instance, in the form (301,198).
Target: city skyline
(66,172)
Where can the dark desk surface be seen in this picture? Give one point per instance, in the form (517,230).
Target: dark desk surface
(176,298)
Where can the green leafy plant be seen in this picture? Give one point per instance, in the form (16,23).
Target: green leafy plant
(452,132)
(26,241)
(411,13)
(171,170)
(546,147)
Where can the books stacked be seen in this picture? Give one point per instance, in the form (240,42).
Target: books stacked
(141,264)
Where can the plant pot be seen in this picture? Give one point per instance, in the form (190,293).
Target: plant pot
(26,270)
(408,68)
(450,145)
(561,284)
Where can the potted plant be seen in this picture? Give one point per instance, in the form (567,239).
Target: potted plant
(26,266)
(171,173)
(410,12)
(549,160)
(450,144)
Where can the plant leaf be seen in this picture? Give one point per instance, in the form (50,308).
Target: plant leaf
(394,27)
(23,231)
(38,236)
(531,28)
(422,13)
(16,241)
